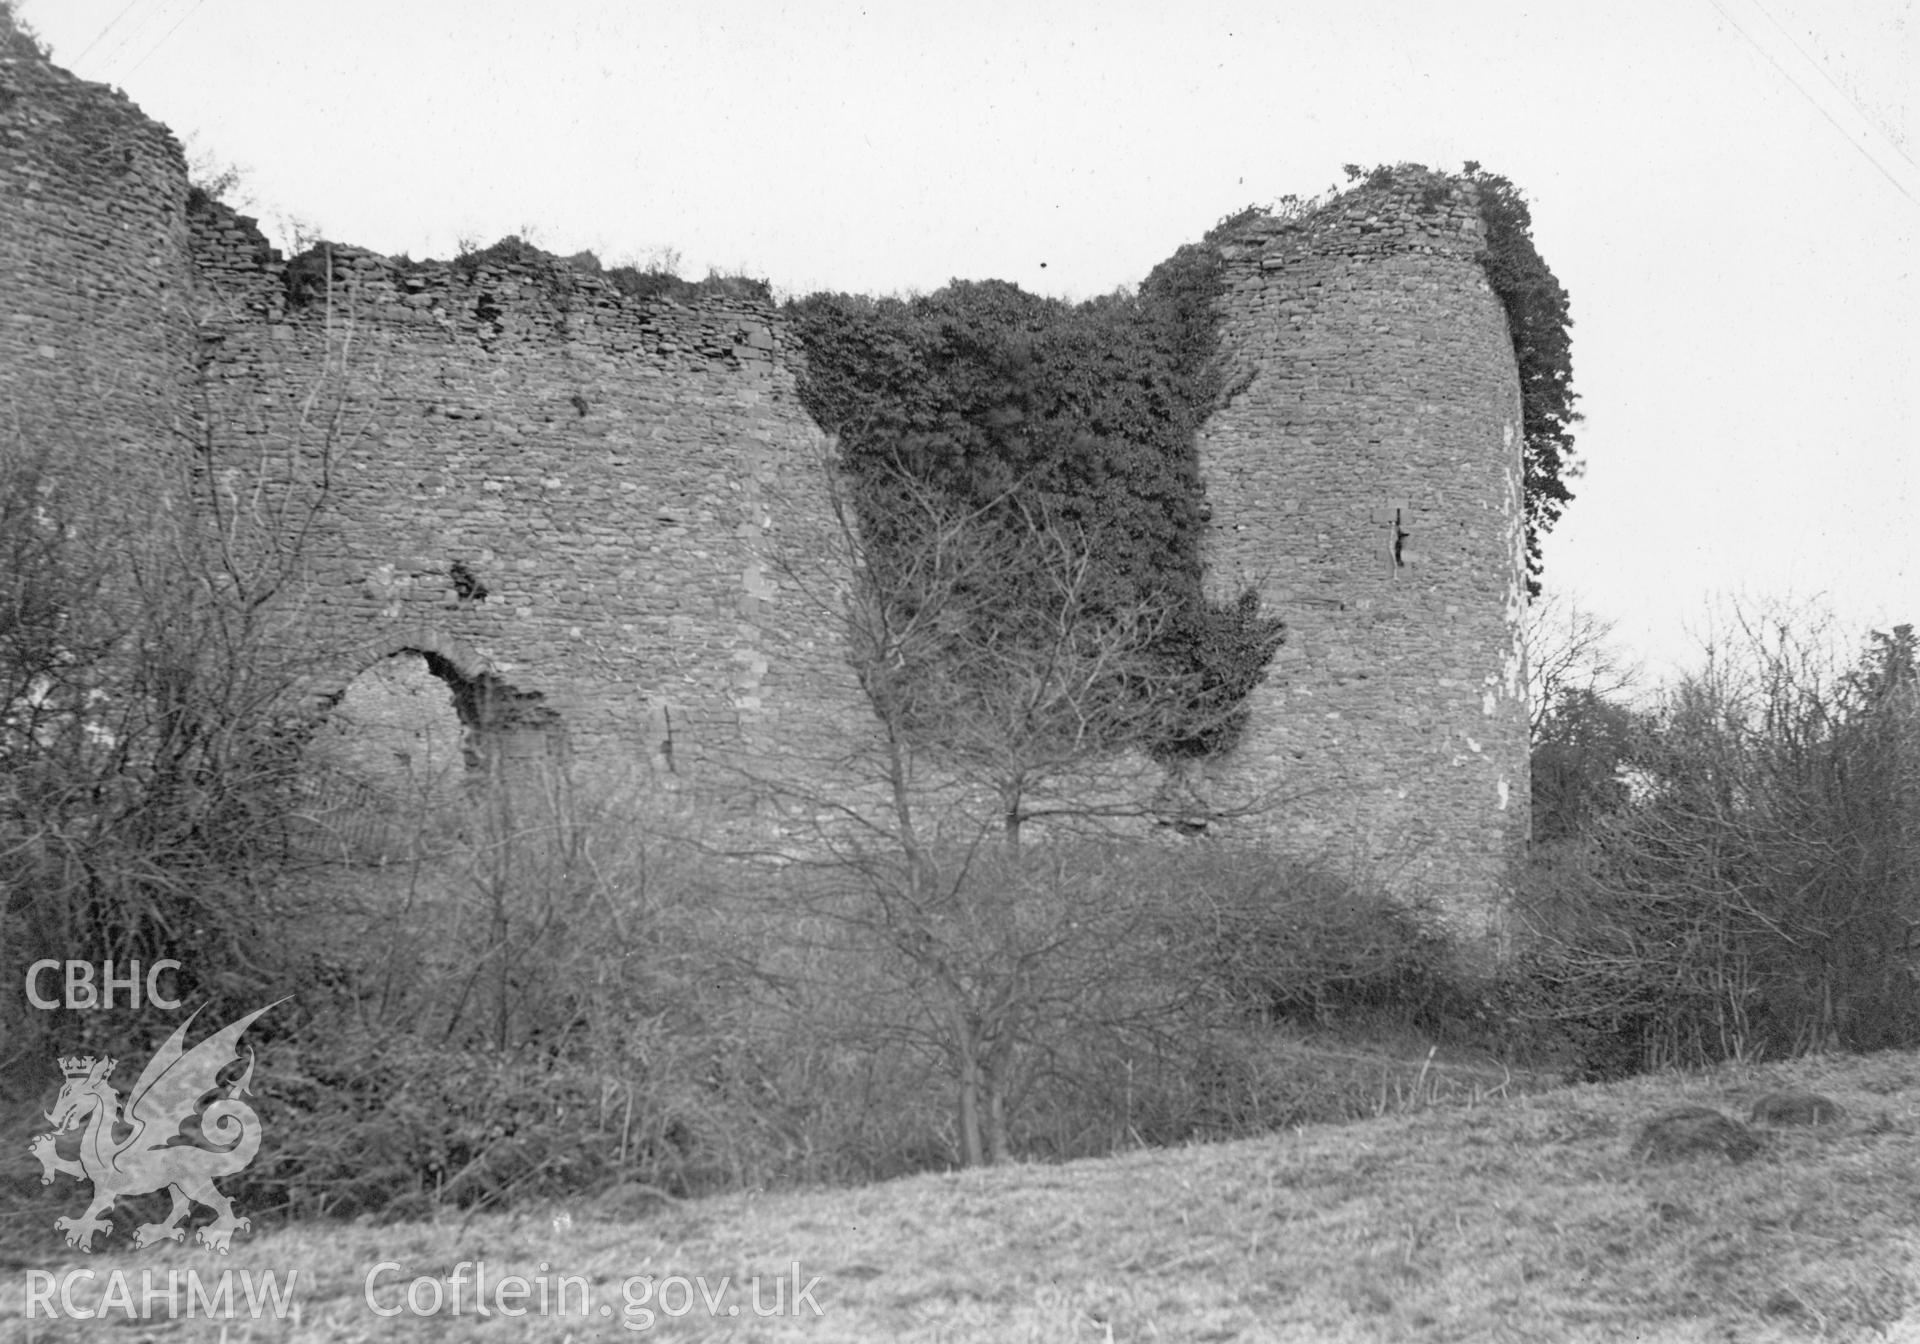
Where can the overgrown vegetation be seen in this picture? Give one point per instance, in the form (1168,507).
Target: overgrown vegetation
(1541,322)
(546,988)
(1734,873)
(591,992)
(1502,1217)
(681,1023)
(149,726)
(557,989)
(1010,407)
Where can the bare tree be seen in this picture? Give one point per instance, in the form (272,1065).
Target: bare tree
(1006,693)
(1571,648)
(987,653)
(1759,893)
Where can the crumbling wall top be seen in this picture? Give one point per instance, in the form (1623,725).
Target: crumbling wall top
(508,295)
(1408,208)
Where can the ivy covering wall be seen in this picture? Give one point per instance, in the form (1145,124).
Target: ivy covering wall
(1009,403)
(1018,407)
(1541,323)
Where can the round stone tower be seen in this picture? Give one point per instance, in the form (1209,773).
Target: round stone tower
(1365,478)
(97,340)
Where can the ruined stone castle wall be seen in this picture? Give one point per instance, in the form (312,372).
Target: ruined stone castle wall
(96,337)
(596,502)
(604,521)
(1365,476)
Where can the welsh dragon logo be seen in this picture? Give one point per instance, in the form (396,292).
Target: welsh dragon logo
(145,1145)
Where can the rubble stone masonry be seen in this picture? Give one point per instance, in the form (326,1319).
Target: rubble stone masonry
(602,504)
(95,329)
(1365,476)
(604,521)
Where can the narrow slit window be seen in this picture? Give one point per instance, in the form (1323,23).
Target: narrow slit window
(1394,518)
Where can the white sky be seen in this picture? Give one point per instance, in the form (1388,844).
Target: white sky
(1725,187)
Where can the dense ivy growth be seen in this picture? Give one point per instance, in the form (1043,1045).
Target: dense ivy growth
(1539,320)
(1018,406)
(1021,407)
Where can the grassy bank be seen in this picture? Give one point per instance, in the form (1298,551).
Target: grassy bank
(1517,1218)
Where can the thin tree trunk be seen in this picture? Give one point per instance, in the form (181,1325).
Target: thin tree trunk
(999,1149)
(972,1150)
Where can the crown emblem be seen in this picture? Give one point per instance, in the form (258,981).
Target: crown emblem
(80,1066)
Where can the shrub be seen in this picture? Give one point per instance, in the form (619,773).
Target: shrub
(151,651)
(1757,894)
(1295,942)
(1091,995)
(559,1001)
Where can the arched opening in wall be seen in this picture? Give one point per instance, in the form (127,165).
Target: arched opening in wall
(405,750)
(384,771)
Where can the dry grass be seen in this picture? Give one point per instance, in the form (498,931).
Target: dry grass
(1520,1219)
